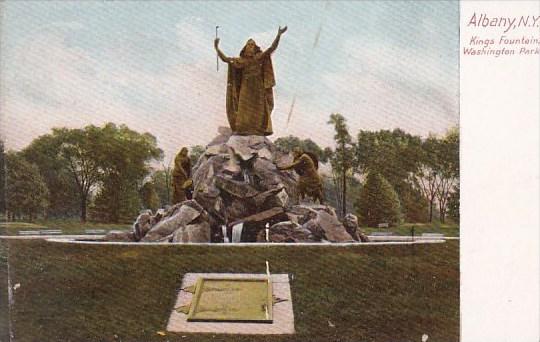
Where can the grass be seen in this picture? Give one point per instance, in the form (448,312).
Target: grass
(111,293)
(68,226)
(4,312)
(419,228)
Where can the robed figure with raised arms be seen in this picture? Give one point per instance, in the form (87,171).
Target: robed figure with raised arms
(250,79)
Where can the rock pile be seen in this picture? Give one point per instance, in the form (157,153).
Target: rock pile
(307,223)
(237,180)
(239,177)
(183,222)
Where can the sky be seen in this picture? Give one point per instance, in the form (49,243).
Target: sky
(152,66)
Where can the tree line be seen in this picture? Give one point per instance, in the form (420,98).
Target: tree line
(106,174)
(389,176)
(100,169)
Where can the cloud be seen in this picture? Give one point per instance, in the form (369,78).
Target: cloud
(51,83)
(264,39)
(47,83)
(195,42)
(385,86)
(378,86)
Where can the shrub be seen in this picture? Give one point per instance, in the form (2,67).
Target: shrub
(378,202)
(453,204)
(26,191)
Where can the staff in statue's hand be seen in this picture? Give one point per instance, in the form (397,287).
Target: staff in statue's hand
(217,56)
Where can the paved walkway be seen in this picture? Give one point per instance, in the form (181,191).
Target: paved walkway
(47,237)
(57,239)
(374,241)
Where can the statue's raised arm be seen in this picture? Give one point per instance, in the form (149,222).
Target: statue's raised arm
(220,53)
(275,43)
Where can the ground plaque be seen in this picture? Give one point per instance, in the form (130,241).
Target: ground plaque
(231,303)
(231,300)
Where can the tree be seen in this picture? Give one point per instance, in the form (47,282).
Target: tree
(378,202)
(149,196)
(413,204)
(354,187)
(82,149)
(124,156)
(44,152)
(453,204)
(438,172)
(394,155)
(26,191)
(447,165)
(110,161)
(341,159)
(161,179)
(289,143)
(116,201)
(425,179)
(72,154)
(195,152)
(2,178)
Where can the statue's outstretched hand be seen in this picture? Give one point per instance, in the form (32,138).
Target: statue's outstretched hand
(282,30)
(216,42)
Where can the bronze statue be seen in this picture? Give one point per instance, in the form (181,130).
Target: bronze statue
(250,79)
(310,183)
(181,174)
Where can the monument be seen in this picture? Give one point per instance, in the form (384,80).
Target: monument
(250,79)
(243,186)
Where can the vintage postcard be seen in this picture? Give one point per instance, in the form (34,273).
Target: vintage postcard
(252,171)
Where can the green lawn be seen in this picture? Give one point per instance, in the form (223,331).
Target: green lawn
(4,312)
(78,293)
(68,226)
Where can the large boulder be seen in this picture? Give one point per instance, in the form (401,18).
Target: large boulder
(287,232)
(238,177)
(194,232)
(182,222)
(143,224)
(119,236)
(320,221)
(350,222)
(305,212)
(224,133)
(178,216)
(334,231)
